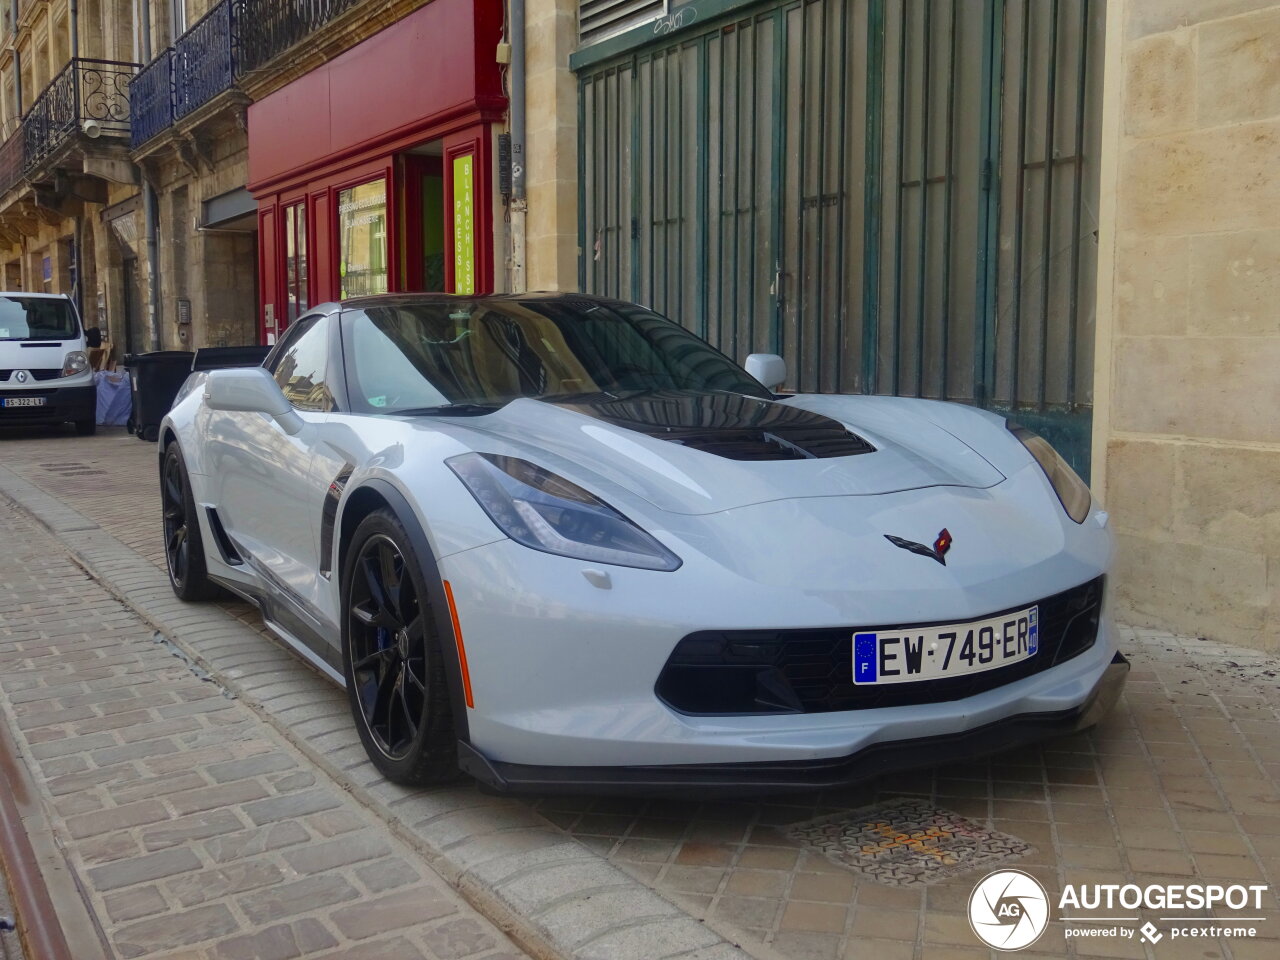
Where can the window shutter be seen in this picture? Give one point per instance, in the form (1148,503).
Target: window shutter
(598,19)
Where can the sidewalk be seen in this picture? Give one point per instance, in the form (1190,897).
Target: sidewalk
(1179,784)
(194,830)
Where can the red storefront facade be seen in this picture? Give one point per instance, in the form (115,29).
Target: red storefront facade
(376,171)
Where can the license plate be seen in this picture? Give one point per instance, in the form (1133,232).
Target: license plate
(952,650)
(21,401)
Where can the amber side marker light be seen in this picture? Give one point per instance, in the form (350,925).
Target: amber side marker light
(462,650)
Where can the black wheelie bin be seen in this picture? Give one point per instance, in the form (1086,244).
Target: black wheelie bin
(155,380)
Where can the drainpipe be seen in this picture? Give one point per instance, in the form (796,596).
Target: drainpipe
(519,205)
(73,18)
(150,216)
(17,61)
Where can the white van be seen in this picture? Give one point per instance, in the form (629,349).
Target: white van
(44,364)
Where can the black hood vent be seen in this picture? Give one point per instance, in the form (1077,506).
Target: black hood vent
(729,425)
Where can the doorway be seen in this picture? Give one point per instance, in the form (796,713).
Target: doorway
(423,240)
(132,319)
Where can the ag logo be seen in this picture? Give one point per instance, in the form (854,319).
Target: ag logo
(1008,910)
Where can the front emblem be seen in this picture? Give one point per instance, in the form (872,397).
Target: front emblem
(938,551)
(20,376)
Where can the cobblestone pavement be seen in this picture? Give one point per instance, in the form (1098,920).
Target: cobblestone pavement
(193,830)
(1178,785)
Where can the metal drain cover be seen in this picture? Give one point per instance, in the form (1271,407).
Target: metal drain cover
(907,843)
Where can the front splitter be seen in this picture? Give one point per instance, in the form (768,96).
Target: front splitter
(792,776)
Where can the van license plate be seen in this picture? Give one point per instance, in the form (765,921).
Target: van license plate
(21,401)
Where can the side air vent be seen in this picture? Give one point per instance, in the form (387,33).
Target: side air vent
(226,548)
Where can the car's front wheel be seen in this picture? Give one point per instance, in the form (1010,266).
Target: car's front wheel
(183,545)
(392,657)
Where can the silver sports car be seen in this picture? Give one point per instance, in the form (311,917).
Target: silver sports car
(562,543)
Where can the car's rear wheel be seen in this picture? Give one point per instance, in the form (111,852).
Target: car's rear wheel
(183,545)
(392,657)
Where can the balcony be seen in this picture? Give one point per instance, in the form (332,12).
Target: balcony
(88,95)
(203,60)
(151,99)
(12,160)
(235,37)
(268,28)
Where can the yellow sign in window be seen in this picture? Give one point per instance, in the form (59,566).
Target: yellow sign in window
(464,240)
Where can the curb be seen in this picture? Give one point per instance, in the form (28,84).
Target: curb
(38,926)
(548,892)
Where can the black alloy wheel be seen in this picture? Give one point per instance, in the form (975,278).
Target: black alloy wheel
(183,547)
(392,658)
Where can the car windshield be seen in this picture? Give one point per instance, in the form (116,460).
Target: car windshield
(37,318)
(473,356)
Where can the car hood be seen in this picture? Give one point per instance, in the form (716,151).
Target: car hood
(35,354)
(696,453)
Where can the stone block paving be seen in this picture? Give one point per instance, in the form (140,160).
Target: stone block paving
(195,832)
(1180,784)
(112,478)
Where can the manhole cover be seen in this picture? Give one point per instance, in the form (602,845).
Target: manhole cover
(907,843)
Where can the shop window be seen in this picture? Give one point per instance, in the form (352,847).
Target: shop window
(295,261)
(362,239)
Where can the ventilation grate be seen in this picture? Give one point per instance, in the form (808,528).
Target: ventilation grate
(782,442)
(600,19)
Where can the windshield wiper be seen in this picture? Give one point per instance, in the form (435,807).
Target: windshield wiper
(449,410)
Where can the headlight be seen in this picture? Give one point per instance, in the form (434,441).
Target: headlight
(546,512)
(77,362)
(1071,490)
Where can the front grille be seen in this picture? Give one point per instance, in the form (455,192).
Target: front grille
(811,671)
(35,374)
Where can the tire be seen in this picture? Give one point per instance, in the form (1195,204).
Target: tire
(150,433)
(86,428)
(392,657)
(183,544)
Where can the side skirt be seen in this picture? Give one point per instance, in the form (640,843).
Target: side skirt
(291,628)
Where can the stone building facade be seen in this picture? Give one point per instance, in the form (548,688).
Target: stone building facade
(63,94)
(1183,346)
(551,149)
(1188,372)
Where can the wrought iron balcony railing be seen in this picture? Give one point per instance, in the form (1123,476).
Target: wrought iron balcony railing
(267,28)
(203,60)
(12,160)
(151,99)
(236,36)
(85,92)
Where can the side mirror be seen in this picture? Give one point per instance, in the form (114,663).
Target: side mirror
(250,390)
(769,368)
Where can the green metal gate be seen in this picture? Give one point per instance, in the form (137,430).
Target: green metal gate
(897,195)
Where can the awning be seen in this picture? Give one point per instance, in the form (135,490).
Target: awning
(234,210)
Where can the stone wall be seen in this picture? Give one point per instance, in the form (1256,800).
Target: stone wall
(215,270)
(1187,430)
(551,101)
